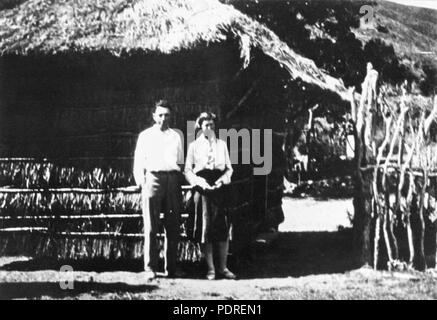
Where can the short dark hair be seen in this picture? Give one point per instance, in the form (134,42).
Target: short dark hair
(205,116)
(163,104)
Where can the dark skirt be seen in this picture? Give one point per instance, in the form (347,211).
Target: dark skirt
(211,222)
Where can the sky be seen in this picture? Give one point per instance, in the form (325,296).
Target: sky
(418,3)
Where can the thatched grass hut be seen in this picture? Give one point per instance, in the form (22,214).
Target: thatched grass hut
(78,80)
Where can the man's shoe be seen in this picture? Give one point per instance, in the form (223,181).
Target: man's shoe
(149,274)
(176,274)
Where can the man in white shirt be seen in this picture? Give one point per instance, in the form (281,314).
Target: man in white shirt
(157,169)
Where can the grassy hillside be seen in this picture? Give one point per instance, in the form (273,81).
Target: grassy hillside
(417,25)
(330,33)
(410,30)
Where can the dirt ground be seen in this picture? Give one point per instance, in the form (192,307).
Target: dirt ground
(302,262)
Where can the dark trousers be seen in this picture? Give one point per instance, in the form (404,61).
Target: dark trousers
(161,194)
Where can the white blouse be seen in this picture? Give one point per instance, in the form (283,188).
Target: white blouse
(204,153)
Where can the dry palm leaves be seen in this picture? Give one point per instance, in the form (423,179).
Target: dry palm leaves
(77,248)
(69,202)
(31,174)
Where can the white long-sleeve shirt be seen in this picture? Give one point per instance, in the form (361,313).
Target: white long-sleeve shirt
(206,153)
(157,150)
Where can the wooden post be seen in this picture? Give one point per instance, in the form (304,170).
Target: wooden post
(389,218)
(421,261)
(401,147)
(363,148)
(377,236)
(424,128)
(386,217)
(376,205)
(411,192)
(310,136)
(361,222)
(435,221)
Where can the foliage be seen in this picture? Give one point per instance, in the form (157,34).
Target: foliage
(337,187)
(326,31)
(428,85)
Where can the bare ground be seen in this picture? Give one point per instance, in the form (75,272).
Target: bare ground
(298,264)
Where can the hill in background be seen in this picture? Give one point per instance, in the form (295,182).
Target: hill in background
(401,42)
(412,32)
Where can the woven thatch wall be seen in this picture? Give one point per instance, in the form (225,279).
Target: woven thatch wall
(74,105)
(96,104)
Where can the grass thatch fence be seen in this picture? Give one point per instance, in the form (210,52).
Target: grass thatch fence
(91,218)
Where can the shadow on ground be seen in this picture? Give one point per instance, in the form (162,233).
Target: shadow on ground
(191,270)
(291,254)
(96,265)
(296,254)
(37,290)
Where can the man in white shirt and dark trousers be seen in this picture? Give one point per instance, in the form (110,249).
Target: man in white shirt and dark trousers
(157,169)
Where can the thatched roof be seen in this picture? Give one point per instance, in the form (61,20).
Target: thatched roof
(121,26)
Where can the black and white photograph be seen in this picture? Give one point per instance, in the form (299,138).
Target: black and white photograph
(220,150)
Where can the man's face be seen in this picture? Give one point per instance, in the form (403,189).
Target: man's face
(161,116)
